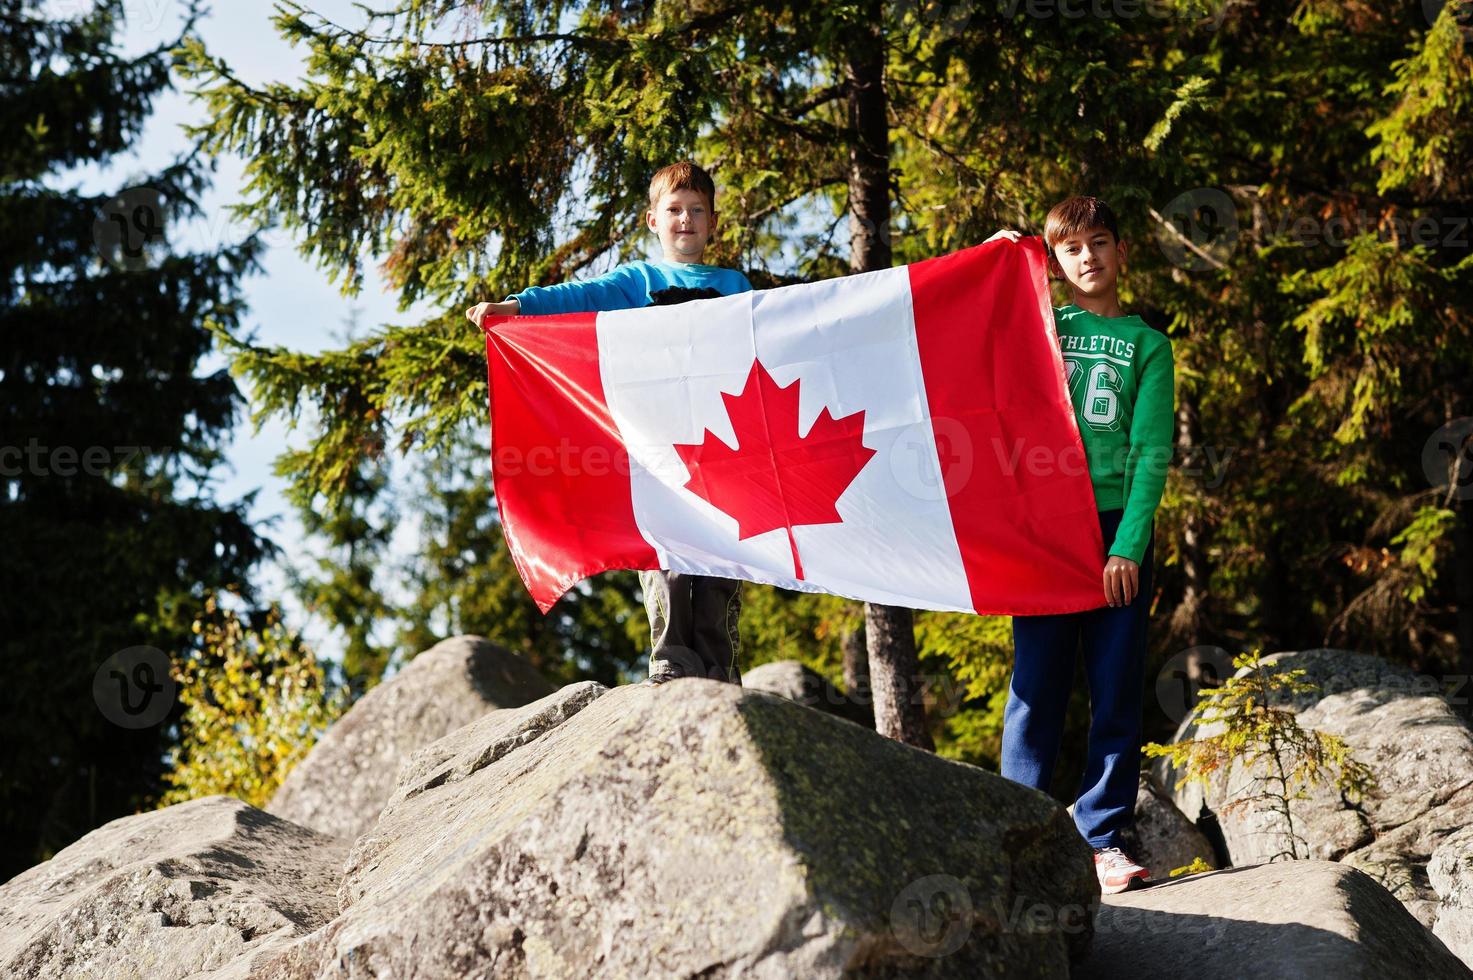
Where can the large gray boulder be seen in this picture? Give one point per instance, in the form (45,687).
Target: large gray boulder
(1290,920)
(1451,873)
(801,683)
(488,738)
(194,888)
(346,779)
(697,829)
(1162,837)
(1401,858)
(1416,745)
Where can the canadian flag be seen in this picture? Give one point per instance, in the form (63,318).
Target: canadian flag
(902,437)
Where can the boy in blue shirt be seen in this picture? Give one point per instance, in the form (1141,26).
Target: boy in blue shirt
(1121,383)
(693,618)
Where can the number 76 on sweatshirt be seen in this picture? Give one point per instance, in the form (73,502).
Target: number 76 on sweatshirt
(903,437)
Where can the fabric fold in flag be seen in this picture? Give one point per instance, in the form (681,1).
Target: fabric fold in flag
(903,437)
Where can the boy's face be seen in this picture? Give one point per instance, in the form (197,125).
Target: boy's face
(1090,261)
(684,221)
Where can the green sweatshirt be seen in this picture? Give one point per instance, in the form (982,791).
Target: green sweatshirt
(1122,383)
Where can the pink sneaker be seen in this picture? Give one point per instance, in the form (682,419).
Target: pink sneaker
(1117,871)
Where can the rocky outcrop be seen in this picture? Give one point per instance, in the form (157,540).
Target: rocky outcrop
(489,738)
(1290,919)
(1400,858)
(197,887)
(1162,837)
(801,683)
(697,829)
(343,783)
(1419,749)
(689,829)
(1451,873)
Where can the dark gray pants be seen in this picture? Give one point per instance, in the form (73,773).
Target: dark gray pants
(693,624)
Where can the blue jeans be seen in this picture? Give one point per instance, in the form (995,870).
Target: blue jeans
(1113,639)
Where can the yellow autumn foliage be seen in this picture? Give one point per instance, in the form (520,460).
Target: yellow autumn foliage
(1264,736)
(255,702)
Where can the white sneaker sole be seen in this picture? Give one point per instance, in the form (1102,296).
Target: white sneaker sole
(1133,882)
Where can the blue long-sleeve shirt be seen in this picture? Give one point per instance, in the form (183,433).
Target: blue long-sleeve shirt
(627,287)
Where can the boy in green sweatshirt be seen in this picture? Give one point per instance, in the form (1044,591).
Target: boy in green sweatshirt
(1122,385)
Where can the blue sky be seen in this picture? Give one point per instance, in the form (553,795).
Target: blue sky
(291,303)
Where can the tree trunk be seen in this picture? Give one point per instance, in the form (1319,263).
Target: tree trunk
(856,663)
(900,707)
(1463,568)
(869,150)
(1186,626)
(900,711)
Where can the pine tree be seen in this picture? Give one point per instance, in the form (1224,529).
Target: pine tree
(111,535)
(1279,761)
(347,589)
(521,98)
(475,149)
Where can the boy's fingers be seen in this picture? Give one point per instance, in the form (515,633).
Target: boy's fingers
(1122,581)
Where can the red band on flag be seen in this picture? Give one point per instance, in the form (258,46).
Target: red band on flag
(561,477)
(1012,461)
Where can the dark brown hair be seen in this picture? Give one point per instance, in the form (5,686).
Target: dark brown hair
(1075,216)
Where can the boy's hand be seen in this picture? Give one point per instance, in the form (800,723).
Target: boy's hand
(481,311)
(1007,233)
(1122,580)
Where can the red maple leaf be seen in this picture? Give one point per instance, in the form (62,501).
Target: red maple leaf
(773,477)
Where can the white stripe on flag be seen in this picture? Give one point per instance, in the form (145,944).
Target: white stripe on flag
(850,343)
